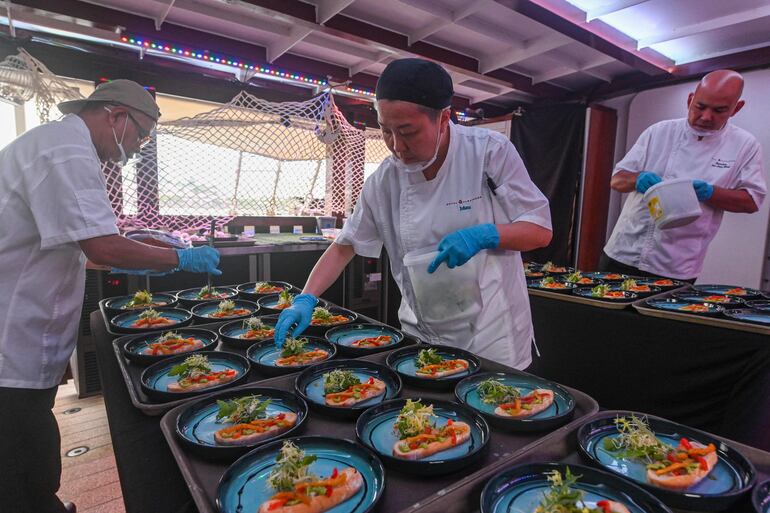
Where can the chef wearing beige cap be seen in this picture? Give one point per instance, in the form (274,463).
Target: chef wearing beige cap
(54,212)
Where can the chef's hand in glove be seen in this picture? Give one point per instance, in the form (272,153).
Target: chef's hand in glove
(645,180)
(458,247)
(299,313)
(203,259)
(703,190)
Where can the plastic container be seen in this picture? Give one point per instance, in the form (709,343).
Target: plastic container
(673,203)
(326,223)
(447,295)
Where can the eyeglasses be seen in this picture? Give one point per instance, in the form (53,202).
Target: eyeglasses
(144,134)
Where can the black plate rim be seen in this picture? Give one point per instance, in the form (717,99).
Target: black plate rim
(435,467)
(760,493)
(441,383)
(194,310)
(609,280)
(248,389)
(241,288)
(145,359)
(629,296)
(196,301)
(239,342)
(275,370)
(159,309)
(364,351)
(351,315)
(540,467)
(108,302)
(750,292)
(734,300)
(650,302)
(351,412)
(532,284)
(267,297)
(297,440)
(523,424)
(733,313)
(162,396)
(673,498)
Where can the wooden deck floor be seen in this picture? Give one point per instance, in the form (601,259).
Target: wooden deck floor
(90,480)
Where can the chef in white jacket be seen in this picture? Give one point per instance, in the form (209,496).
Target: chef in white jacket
(464,191)
(724,162)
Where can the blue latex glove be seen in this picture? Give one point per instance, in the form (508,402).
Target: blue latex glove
(703,190)
(458,247)
(645,180)
(140,272)
(203,259)
(299,313)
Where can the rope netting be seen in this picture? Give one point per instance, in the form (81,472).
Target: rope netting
(22,77)
(250,157)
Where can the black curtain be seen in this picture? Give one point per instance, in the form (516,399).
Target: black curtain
(550,140)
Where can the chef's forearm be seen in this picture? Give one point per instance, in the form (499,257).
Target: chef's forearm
(118,251)
(523,236)
(328,268)
(732,200)
(624,181)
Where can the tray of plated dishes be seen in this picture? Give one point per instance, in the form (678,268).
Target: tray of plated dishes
(396,445)
(174,309)
(617,462)
(600,289)
(157,365)
(706,306)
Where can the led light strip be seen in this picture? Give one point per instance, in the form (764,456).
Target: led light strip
(206,56)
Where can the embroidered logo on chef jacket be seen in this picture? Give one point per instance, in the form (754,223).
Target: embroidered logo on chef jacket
(721,163)
(463,204)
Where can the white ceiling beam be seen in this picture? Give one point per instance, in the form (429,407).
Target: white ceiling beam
(164,13)
(706,26)
(364,64)
(443,18)
(244,18)
(284,44)
(554,73)
(437,10)
(427,30)
(530,48)
(328,9)
(611,7)
(566,69)
(342,47)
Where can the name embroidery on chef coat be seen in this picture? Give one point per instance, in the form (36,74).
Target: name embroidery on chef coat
(722,164)
(463,204)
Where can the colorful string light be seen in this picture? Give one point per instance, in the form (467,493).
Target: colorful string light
(205,55)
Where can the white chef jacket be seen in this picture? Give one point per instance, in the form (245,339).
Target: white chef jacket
(406,212)
(731,159)
(52,194)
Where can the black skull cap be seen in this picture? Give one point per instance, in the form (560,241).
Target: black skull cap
(416,81)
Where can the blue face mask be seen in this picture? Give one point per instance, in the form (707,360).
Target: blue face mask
(123,157)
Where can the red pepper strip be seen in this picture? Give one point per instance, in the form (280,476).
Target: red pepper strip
(702,461)
(329,490)
(335,473)
(672,458)
(685,443)
(605,505)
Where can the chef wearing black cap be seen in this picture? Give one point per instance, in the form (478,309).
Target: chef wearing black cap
(462,191)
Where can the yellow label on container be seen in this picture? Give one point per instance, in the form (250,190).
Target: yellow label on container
(656,210)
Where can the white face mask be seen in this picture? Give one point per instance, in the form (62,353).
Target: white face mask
(417,167)
(705,133)
(123,157)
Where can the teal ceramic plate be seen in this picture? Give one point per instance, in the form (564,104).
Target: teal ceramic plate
(243,487)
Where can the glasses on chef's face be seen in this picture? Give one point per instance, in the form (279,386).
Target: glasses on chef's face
(143,134)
